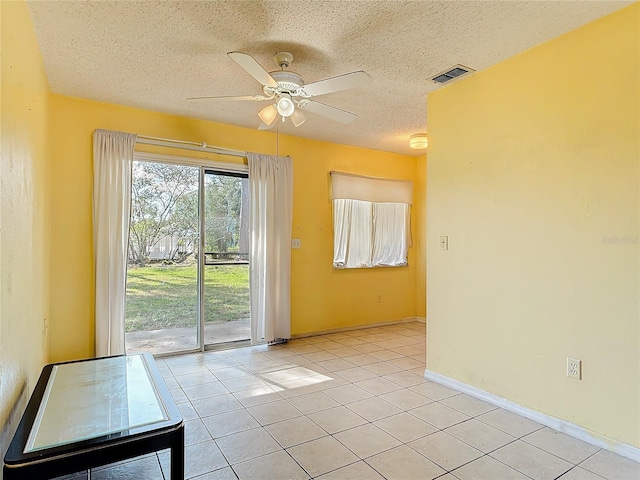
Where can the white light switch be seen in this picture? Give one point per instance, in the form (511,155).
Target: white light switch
(444,242)
(295,243)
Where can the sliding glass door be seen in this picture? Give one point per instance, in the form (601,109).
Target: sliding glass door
(178,300)
(226,257)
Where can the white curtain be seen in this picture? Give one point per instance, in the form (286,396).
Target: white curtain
(369,234)
(390,234)
(271,193)
(112,163)
(352,227)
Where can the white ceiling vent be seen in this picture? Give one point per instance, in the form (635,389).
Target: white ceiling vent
(452,73)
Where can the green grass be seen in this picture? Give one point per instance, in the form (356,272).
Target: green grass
(165,296)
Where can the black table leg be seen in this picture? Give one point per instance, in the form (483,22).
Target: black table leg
(177,455)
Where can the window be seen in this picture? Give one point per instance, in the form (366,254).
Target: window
(370,221)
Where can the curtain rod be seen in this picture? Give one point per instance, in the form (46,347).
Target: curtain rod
(201,147)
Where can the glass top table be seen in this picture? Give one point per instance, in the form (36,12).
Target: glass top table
(93,412)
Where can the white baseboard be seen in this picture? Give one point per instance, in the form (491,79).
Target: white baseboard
(576,431)
(359,327)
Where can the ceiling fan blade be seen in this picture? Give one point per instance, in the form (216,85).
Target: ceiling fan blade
(253,68)
(328,111)
(233,98)
(337,84)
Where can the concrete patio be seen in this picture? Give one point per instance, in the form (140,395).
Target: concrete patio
(179,339)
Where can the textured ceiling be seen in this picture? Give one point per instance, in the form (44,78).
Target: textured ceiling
(155,54)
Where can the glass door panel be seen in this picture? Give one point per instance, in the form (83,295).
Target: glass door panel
(226,259)
(161,314)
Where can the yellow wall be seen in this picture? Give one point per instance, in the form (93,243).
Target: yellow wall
(533,170)
(24,216)
(321,298)
(420,235)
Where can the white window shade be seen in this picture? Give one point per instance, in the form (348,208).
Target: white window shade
(371,189)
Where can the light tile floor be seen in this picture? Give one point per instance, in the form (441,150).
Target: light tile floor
(352,405)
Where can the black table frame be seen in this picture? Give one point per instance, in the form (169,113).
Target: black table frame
(82,455)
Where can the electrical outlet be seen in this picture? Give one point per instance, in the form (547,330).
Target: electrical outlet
(444,242)
(574,368)
(296,243)
(379,298)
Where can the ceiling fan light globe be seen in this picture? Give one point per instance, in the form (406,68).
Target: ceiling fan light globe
(298,118)
(285,105)
(268,114)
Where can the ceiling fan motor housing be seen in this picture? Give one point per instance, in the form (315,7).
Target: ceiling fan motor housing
(288,82)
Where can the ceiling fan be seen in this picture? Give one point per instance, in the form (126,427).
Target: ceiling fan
(289,93)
